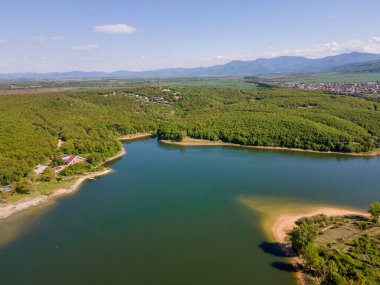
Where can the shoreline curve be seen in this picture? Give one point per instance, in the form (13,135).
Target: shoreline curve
(9,209)
(201,142)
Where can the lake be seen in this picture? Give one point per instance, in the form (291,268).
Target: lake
(171,215)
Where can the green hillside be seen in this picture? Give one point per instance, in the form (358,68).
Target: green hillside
(89,122)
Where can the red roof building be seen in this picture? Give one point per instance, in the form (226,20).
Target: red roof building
(70,159)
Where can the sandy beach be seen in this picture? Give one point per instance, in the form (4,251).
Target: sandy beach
(278,216)
(200,142)
(284,223)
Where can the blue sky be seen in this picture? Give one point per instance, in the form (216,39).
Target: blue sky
(64,35)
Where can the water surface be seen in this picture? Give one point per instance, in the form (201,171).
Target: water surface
(170,215)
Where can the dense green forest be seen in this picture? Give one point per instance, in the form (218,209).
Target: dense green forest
(90,122)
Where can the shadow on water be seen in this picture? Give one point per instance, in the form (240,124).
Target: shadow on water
(275,249)
(284,266)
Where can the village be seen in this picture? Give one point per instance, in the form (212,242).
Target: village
(353,88)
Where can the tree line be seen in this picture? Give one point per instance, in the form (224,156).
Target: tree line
(89,122)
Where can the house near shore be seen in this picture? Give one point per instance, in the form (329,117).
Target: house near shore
(73,159)
(69,160)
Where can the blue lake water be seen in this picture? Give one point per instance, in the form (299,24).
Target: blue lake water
(170,215)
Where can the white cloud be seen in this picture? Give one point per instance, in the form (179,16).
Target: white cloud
(45,39)
(85,47)
(332,48)
(226,57)
(3,41)
(115,29)
(371,45)
(235,56)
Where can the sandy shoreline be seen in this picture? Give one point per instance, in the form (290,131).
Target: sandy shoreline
(279,214)
(286,222)
(136,136)
(8,209)
(200,142)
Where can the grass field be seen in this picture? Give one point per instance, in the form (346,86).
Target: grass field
(336,77)
(231,83)
(43,188)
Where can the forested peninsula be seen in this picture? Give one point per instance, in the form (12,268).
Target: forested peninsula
(40,129)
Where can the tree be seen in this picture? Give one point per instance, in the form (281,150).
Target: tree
(25,186)
(303,236)
(56,161)
(48,175)
(312,258)
(374,210)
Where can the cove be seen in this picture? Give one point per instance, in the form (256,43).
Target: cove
(171,215)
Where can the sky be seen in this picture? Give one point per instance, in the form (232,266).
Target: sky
(99,35)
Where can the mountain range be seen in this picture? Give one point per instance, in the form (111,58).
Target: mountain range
(347,62)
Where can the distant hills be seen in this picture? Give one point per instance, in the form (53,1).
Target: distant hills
(362,67)
(348,62)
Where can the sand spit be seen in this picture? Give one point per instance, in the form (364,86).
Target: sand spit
(279,216)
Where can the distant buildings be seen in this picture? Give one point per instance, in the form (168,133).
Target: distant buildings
(353,88)
(67,159)
(156,99)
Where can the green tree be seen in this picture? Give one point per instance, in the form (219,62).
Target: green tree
(25,186)
(49,175)
(312,258)
(374,210)
(56,161)
(303,236)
